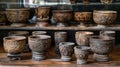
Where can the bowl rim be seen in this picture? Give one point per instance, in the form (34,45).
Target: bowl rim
(18,32)
(104,11)
(83,12)
(13,38)
(97,37)
(61,11)
(44,37)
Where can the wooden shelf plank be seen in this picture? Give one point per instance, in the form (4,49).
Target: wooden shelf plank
(90,28)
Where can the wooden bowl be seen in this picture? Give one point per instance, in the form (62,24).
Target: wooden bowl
(62,16)
(101,46)
(104,17)
(19,15)
(39,42)
(83,16)
(14,44)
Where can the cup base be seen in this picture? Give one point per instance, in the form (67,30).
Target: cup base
(66,58)
(38,56)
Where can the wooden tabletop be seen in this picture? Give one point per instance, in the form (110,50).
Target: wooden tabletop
(54,61)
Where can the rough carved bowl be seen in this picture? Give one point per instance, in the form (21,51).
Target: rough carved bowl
(83,16)
(19,15)
(62,16)
(81,54)
(104,17)
(101,45)
(14,44)
(39,42)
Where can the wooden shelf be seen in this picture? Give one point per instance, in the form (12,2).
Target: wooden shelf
(90,28)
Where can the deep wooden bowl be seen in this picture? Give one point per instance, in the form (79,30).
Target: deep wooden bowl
(19,15)
(62,15)
(14,44)
(83,16)
(104,17)
(101,45)
(39,43)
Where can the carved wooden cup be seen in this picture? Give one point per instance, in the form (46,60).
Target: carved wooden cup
(39,45)
(66,50)
(104,17)
(101,46)
(81,54)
